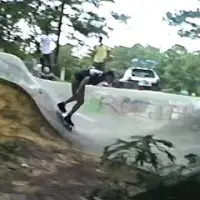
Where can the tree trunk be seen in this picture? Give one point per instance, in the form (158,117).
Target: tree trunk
(59,33)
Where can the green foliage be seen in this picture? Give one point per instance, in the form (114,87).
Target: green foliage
(71,63)
(41,15)
(120,17)
(188,19)
(178,68)
(9,39)
(67,61)
(126,181)
(138,151)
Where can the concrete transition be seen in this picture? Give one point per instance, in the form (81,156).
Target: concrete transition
(109,114)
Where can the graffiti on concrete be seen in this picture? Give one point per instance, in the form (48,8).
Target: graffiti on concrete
(133,106)
(118,106)
(98,106)
(138,107)
(179,109)
(94,106)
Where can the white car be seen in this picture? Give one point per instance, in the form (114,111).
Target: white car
(140,75)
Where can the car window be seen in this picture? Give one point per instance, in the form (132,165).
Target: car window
(143,73)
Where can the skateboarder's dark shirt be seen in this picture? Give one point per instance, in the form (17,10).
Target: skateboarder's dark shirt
(96,76)
(47,76)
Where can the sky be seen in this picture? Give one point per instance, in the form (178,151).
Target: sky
(146,25)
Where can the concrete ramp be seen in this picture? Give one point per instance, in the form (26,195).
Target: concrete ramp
(109,113)
(12,69)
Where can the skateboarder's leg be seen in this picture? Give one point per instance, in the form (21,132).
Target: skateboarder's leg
(75,84)
(80,102)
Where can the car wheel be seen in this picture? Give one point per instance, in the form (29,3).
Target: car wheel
(156,87)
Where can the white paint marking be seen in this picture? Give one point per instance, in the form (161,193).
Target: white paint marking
(86,118)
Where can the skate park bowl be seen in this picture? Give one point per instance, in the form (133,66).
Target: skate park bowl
(109,114)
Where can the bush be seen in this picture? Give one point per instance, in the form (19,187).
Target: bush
(137,152)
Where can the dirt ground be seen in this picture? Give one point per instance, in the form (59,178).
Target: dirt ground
(33,172)
(37,164)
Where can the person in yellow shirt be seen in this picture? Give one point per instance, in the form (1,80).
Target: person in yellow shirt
(101,55)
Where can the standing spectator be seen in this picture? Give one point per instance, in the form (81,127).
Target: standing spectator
(101,55)
(46,46)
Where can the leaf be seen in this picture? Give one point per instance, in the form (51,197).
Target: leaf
(127,146)
(140,158)
(154,160)
(139,148)
(170,156)
(185,17)
(165,143)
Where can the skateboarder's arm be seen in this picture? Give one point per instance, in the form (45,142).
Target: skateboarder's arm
(83,83)
(55,77)
(104,84)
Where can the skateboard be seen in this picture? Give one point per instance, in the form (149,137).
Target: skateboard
(65,124)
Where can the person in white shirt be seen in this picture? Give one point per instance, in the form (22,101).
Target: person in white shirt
(46,43)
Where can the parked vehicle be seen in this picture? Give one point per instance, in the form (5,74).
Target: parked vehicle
(138,78)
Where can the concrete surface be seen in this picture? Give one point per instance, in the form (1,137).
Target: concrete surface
(111,113)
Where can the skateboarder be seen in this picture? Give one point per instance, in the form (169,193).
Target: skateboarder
(80,80)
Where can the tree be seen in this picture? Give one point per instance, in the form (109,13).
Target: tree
(40,14)
(180,70)
(68,63)
(123,56)
(177,68)
(11,13)
(188,20)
